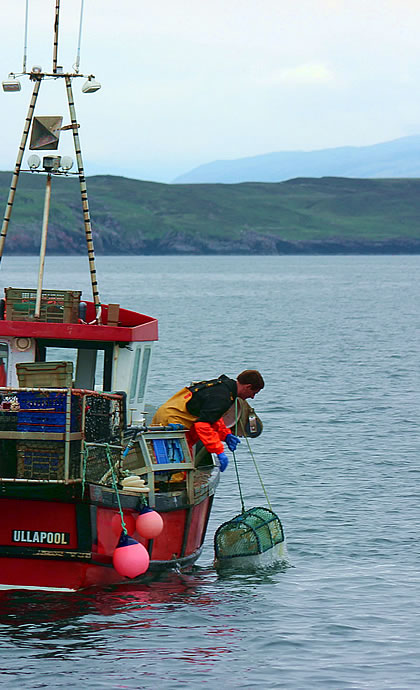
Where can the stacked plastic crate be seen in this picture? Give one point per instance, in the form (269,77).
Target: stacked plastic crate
(44,413)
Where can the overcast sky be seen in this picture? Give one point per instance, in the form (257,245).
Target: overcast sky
(186,82)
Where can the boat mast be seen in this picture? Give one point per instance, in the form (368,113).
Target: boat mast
(56,23)
(47,199)
(85,202)
(82,180)
(21,151)
(37,76)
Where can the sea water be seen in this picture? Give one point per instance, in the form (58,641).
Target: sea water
(337,341)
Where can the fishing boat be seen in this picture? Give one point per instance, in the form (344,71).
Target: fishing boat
(79,465)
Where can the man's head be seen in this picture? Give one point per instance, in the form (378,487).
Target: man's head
(249,383)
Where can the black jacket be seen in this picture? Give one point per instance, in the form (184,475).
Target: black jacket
(211,399)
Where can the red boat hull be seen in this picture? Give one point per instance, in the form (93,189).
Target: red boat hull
(68,543)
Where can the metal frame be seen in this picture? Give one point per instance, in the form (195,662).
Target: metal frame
(151,467)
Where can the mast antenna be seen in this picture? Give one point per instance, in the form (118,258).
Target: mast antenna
(25,40)
(56,22)
(77,63)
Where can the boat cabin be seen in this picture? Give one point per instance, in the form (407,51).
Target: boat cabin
(112,356)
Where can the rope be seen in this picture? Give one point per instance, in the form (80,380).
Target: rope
(235,462)
(257,469)
(252,456)
(239,483)
(114,486)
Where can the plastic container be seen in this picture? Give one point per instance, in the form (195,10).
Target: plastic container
(160,451)
(57,306)
(45,374)
(40,460)
(37,400)
(44,421)
(45,459)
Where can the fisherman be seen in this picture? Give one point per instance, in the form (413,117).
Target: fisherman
(201,406)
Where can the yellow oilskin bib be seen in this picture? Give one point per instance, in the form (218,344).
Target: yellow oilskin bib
(174,410)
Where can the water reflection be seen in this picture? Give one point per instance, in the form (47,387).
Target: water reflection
(23,607)
(169,591)
(175,617)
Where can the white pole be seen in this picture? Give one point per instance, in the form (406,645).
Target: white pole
(43,246)
(77,63)
(25,42)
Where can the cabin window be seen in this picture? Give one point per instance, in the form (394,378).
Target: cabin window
(4,359)
(143,374)
(99,373)
(135,375)
(92,365)
(61,354)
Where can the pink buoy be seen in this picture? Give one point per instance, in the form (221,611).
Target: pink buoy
(130,558)
(149,523)
(130,524)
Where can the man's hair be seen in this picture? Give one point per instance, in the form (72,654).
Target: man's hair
(253,377)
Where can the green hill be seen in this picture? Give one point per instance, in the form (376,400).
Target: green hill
(303,215)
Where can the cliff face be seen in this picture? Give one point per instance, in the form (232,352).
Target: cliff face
(301,216)
(252,243)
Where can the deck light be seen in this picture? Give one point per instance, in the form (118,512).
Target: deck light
(51,163)
(91,85)
(11,85)
(66,163)
(34,161)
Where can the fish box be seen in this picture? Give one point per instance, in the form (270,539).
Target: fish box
(57,306)
(45,374)
(42,400)
(44,421)
(41,411)
(45,460)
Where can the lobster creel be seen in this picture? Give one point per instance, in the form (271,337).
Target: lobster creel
(253,539)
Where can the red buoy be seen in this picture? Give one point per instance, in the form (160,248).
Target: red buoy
(130,558)
(149,523)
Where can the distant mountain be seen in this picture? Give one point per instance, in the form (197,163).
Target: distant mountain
(397,158)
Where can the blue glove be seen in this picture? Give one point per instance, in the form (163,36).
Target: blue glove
(175,427)
(223,459)
(232,442)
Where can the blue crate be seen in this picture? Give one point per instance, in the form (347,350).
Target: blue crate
(161,451)
(175,452)
(41,428)
(41,417)
(39,420)
(34,400)
(167,451)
